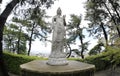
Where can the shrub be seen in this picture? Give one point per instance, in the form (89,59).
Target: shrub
(106,59)
(98,61)
(13,61)
(76,59)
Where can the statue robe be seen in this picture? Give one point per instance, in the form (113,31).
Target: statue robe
(58,37)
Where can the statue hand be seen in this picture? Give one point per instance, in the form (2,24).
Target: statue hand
(64,16)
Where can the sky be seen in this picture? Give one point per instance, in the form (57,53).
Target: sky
(68,7)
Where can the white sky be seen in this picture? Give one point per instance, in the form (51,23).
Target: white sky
(68,7)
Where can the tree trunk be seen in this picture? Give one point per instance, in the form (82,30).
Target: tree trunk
(19,37)
(114,8)
(0,1)
(82,50)
(105,33)
(70,50)
(10,43)
(112,19)
(3,18)
(30,40)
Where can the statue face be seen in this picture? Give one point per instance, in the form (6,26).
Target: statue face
(59,12)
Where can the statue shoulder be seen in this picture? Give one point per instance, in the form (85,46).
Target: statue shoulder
(55,16)
(54,19)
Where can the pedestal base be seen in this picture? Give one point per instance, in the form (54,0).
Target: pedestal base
(40,68)
(57,61)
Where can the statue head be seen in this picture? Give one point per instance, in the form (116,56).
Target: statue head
(59,12)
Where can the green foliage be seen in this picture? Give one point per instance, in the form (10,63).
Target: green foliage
(113,55)
(105,60)
(97,17)
(105,12)
(76,59)
(14,38)
(96,49)
(34,23)
(117,42)
(102,61)
(14,61)
(75,32)
(74,28)
(98,61)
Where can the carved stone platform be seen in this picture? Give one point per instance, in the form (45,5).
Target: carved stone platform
(40,68)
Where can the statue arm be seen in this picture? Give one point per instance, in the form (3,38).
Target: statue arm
(53,21)
(64,21)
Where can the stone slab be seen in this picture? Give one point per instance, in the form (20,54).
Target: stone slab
(40,68)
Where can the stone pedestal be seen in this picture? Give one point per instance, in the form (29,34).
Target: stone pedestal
(40,68)
(57,61)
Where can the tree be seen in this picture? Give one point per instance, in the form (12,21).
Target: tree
(75,32)
(113,17)
(3,17)
(100,13)
(8,39)
(97,18)
(15,39)
(34,24)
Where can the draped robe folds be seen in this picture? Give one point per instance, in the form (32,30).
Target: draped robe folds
(58,38)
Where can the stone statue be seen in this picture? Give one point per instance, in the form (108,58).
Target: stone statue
(57,56)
